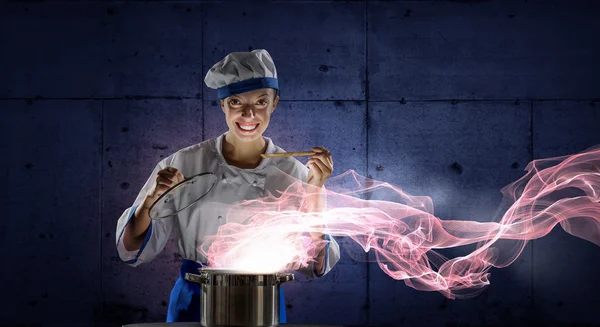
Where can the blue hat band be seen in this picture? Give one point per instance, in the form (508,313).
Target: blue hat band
(247,85)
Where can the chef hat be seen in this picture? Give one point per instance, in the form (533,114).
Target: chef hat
(241,72)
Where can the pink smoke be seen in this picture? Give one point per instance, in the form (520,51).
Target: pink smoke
(270,234)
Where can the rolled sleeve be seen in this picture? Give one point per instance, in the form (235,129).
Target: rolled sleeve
(332,256)
(130,257)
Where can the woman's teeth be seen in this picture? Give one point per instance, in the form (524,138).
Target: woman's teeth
(247,127)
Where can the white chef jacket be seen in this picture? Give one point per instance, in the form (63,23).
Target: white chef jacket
(191,227)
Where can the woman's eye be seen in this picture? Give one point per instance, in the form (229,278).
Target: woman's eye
(262,102)
(233,102)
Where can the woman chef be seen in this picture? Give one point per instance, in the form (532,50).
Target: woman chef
(247,86)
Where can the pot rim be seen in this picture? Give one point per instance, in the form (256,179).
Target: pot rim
(227,271)
(224,279)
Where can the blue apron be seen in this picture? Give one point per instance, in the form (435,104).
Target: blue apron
(184,303)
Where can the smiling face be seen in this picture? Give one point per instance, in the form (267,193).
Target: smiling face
(248,114)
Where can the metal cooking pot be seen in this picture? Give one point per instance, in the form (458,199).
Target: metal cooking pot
(233,298)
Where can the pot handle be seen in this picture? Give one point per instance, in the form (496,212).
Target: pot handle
(200,279)
(285,278)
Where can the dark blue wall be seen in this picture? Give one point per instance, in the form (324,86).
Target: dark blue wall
(449,99)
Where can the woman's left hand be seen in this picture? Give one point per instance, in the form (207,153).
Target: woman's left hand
(321,166)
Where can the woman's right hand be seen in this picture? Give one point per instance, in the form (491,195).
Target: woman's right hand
(136,230)
(165,179)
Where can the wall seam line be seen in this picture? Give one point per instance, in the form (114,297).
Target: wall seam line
(367,130)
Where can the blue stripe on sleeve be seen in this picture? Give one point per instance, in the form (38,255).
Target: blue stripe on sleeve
(148,234)
(328,238)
